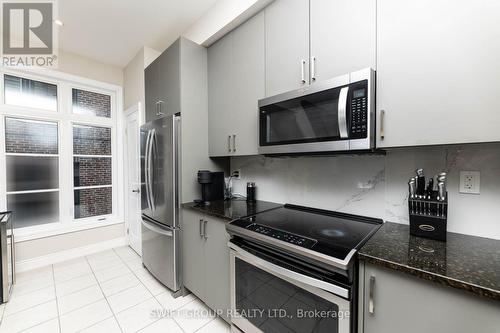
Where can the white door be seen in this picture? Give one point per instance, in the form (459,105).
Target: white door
(133,181)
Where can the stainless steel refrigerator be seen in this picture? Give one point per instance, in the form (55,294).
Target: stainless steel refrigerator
(160,200)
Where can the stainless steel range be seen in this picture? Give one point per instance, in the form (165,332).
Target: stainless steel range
(293,269)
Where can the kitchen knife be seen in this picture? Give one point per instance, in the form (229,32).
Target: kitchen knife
(420,183)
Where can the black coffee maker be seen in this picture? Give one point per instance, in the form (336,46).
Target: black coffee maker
(212,186)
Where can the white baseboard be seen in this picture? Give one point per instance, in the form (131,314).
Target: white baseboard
(53,258)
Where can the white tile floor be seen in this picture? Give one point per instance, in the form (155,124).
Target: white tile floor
(104,292)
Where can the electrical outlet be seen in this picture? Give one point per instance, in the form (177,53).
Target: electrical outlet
(470,182)
(236,174)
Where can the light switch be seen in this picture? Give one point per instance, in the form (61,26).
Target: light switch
(470,182)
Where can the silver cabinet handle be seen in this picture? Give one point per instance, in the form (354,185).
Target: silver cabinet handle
(205,229)
(303,71)
(234,143)
(382,129)
(313,68)
(342,113)
(229,143)
(371,305)
(160,112)
(201,227)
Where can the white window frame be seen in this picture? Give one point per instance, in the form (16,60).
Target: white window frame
(65,120)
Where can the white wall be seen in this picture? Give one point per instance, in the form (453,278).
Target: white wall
(77,65)
(376,185)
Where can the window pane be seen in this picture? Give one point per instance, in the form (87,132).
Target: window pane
(91,103)
(34,208)
(90,140)
(25,173)
(30,136)
(30,93)
(92,202)
(91,171)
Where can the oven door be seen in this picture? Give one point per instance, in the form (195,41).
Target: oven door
(267,298)
(312,119)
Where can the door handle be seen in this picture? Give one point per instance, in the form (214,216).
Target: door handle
(205,229)
(147,169)
(12,257)
(136,191)
(165,231)
(201,227)
(371,304)
(234,143)
(342,113)
(313,68)
(229,143)
(382,129)
(303,71)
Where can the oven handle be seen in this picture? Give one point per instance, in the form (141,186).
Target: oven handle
(278,270)
(342,113)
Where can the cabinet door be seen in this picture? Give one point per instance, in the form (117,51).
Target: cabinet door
(169,80)
(151,90)
(403,303)
(287,45)
(219,95)
(248,72)
(342,36)
(217,259)
(438,72)
(193,249)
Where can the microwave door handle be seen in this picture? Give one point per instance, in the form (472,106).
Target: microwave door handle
(342,113)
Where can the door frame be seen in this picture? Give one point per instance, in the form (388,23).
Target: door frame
(137,107)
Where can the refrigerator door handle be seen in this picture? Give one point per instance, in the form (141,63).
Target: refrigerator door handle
(151,169)
(154,227)
(146,169)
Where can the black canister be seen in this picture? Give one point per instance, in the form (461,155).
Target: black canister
(251,191)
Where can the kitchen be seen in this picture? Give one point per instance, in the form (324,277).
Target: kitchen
(271,166)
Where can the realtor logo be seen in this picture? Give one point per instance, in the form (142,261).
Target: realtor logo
(28,33)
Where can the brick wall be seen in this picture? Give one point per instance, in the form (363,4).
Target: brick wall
(88,140)
(93,202)
(92,171)
(87,102)
(30,137)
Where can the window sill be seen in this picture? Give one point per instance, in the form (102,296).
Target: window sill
(55,229)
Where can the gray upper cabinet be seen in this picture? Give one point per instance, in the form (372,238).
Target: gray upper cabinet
(403,303)
(151,77)
(343,37)
(162,84)
(219,99)
(236,81)
(438,72)
(287,45)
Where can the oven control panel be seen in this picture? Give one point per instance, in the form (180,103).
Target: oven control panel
(282,236)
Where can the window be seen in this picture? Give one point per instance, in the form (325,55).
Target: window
(91,103)
(59,162)
(92,171)
(30,93)
(32,167)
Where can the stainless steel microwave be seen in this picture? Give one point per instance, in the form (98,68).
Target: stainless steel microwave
(335,115)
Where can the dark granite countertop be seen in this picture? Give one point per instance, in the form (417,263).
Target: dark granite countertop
(232,209)
(464,262)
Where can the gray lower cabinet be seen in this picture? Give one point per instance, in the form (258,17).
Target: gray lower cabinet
(403,303)
(206,260)
(236,81)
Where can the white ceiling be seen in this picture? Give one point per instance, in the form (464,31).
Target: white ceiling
(113,31)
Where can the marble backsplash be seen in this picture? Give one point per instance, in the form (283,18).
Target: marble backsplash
(377,185)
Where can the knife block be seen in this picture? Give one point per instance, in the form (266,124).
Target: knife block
(428,217)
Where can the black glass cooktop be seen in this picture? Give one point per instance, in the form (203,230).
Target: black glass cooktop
(330,233)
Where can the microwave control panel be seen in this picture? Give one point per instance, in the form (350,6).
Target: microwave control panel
(359,113)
